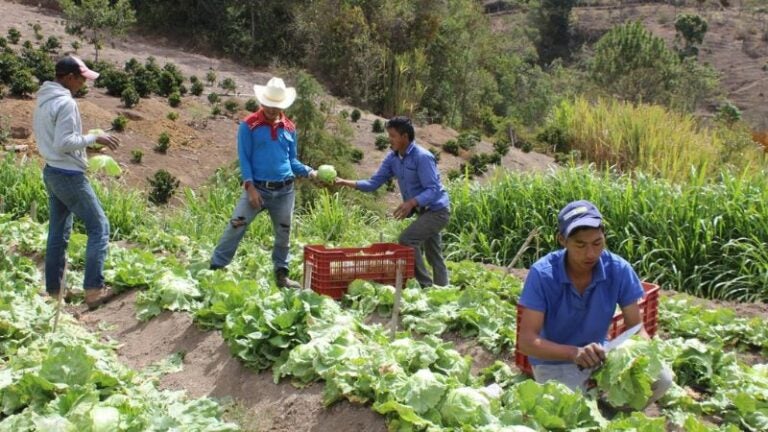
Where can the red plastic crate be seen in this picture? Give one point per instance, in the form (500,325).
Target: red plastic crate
(649,311)
(332,269)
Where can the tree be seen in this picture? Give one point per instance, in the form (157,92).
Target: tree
(691,28)
(553,20)
(96,20)
(635,65)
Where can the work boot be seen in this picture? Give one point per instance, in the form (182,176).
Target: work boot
(281,277)
(98,296)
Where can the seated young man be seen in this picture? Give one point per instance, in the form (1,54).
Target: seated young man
(570,296)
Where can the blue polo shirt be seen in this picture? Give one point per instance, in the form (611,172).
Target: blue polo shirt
(577,319)
(417,176)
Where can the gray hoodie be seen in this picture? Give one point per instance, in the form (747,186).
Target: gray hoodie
(59,130)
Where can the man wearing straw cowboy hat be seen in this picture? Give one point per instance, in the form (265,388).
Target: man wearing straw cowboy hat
(60,140)
(266,144)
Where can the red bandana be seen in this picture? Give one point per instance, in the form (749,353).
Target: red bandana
(258,119)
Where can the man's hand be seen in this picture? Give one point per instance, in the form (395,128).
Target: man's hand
(110,141)
(589,356)
(254,197)
(312,174)
(404,210)
(342,182)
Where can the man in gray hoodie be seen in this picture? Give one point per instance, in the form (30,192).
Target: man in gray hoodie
(60,141)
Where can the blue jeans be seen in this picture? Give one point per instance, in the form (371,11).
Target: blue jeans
(279,204)
(68,195)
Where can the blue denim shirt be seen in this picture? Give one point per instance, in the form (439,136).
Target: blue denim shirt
(417,176)
(577,319)
(265,159)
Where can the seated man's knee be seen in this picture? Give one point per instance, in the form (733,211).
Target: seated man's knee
(664,382)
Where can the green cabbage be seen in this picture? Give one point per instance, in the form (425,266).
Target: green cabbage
(326,173)
(106,163)
(466,406)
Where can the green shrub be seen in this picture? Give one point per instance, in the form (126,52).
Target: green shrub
(130,97)
(468,140)
(231,105)
(213,98)
(75,45)
(163,143)
(194,79)
(183,89)
(172,116)
(197,88)
(478,163)
(210,77)
(119,123)
(691,28)
(454,174)
(52,44)
(166,84)
(163,185)
(9,64)
(501,147)
(132,65)
(382,142)
(355,116)
(526,147)
(216,110)
(115,81)
(228,85)
(39,63)
(37,29)
(136,156)
(174,99)
(144,81)
(556,136)
(3,42)
(356,155)
(728,113)
(378,126)
(452,147)
(23,83)
(344,114)
(14,35)
(252,105)
(5,129)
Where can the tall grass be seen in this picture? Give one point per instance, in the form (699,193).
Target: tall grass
(21,184)
(700,237)
(649,138)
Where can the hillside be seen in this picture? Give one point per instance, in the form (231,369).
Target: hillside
(200,143)
(736,42)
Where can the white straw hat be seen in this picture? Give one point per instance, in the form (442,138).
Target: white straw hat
(275,94)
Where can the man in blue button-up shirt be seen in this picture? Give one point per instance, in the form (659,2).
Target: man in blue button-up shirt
(570,297)
(423,194)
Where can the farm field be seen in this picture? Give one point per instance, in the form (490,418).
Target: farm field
(287,354)
(684,193)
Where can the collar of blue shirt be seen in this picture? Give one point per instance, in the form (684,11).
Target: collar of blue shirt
(561,275)
(408,150)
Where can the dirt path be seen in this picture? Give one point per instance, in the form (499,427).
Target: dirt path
(210,370)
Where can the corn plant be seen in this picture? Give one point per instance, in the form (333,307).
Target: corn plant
(701,236)
(21,184)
